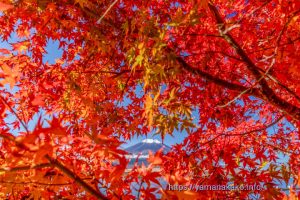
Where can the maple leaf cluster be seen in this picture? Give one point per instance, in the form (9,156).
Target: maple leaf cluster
(224,72)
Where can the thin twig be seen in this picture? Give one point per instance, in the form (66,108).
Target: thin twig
(140,187)
(107,10)
(14,112)
(34,182)
(246,133)
(245,91)
(267,92)
(257,130)
(253,11)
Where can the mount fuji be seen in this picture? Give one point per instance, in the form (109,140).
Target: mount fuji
(141,150)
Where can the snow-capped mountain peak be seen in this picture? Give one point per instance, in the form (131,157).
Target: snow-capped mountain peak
(141,150)
(150,141)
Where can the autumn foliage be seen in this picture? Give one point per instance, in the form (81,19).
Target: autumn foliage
(226,72)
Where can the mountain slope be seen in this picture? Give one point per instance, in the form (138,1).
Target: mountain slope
(141,150)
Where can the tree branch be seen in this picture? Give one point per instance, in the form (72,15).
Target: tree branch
(14,112)
(243,134)
(268,93)
(262,77)
(57,164)
(14,169)
(232,86)
(34,182)
(76,178)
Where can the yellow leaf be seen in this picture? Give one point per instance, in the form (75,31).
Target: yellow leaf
(141,45)
(237,160)
(172,93)
(156,97)
(294,20)
(59,61)
(264,164)
(80,2)
(148,103)
(148,109)
(21,46)
(173,24)
(138,61)
(298,179)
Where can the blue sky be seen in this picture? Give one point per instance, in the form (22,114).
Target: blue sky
(53,53)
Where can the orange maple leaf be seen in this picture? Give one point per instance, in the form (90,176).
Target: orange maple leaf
(21,46)
(155,159)
(38,101)
(10,76)
(4,51)
(5,6)
(295,70)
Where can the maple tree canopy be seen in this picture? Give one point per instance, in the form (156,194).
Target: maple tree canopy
(225,72)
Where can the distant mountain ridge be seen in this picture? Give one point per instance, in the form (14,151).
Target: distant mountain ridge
(141,150)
